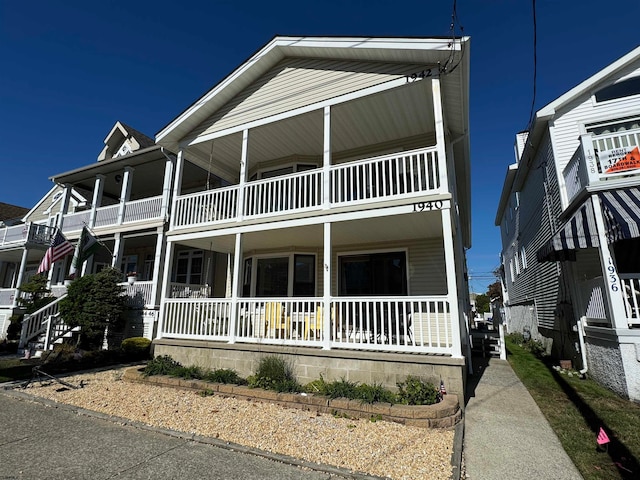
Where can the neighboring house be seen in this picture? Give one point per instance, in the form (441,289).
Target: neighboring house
(123,199)
(569,216)
(338,238)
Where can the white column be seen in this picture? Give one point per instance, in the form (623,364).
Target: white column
(157,266)
(21,270)
(118,248)
(98,189)
(326,160)
(177,186)
(613,287)
(166,279)
(439,126)
(243,174)
(326,288)
(125,193)
(452,291)
(166,188)
(235,288)
(64,204)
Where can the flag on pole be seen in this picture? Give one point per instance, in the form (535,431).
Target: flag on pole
(59,247)
(87,246)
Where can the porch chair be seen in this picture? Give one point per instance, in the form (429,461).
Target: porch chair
(276,322)
(313,324)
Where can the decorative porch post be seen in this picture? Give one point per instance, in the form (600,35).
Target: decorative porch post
(166,188)
(157,265)
(235,288)
(98,189)
(615,299)
(64,207)
(440,140)
(166,284)
(326,160)
(125,193)
(243,174)
(21,270)
(118,248)
(326,287)
(452,291)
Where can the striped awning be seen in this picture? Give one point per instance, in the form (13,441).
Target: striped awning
(621,212)
(578,232)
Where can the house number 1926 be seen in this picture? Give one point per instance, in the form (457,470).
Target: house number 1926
(423,206)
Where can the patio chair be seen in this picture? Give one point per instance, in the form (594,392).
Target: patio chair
(276,322)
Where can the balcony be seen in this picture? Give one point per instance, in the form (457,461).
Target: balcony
(135,211)
(27,233)
(602,158)
(351,185)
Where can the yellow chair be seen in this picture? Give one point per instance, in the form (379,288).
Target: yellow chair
(313,325)
(276,323)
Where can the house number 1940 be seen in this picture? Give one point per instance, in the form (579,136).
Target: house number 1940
(423,206)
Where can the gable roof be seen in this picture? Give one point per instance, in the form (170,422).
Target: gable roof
(122,133)
(421,51)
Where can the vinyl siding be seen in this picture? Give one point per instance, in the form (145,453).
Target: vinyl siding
(294,83)
(39,215)
(569,124)
(536,222)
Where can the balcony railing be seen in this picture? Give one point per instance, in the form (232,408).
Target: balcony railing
(631,290)
(409,324)
(134,211)
(599,158)
(404,175)
(26,233)
(139,294)
(7,295)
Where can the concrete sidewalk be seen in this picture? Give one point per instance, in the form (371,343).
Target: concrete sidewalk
(506,435)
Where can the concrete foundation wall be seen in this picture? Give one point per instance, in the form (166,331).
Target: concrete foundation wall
(630,354)
(309,363)
(605,364)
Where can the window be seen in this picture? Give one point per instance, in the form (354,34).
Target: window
(513,276)
(281,276)
(517,262)
(523,257)
(625,88)
(373,274)
(189,267)
(283,170)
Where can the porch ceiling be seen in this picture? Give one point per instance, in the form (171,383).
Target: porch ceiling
(398,229)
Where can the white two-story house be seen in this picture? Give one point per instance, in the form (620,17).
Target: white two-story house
(570,222)
(337,235)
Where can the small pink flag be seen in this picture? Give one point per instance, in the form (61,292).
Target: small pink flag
(602,437)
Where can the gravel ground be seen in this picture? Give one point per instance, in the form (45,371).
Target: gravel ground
(379,448)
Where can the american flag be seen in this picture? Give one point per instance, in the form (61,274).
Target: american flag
(443,391)
(58,249)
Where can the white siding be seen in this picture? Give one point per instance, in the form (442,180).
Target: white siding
(568,125)
(294,83)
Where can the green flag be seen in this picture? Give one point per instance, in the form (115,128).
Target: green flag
(87,246)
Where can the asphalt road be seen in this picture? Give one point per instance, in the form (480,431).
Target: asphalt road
(40,440)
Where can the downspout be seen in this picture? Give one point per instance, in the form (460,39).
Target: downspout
(583,350)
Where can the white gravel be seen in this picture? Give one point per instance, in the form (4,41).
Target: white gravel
(378,448)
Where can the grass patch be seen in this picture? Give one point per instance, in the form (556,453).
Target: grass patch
(576,409)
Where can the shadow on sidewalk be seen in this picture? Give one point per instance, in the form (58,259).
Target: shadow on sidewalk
(480,364)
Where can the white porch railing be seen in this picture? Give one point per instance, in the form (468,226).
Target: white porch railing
(383,177)
(106,215)
(7,295)
(212,206)
(294,192)
(74,222)
(594,156)
(631,289)
(139,294)
(593,304)
(409,324)
(405,174)
(188,290)
(26,233)
(35,324)
(144,209)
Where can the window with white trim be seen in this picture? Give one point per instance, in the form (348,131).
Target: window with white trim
(287,275)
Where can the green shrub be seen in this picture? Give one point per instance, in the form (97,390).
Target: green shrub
(161,365)
(342,389)
(275,373)
(414,391)
(137,347)
(375,393)
(223,375)
(318,387)
(192,372)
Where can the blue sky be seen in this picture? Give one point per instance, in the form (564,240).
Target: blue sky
(72,69)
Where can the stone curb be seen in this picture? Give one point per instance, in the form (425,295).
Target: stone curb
(446,414)
(234,447)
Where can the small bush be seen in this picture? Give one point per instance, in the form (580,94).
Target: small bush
(275,373)
(342,389)
(137,347)
(192,372)
(223,375)
(375,393)
(318,387)
(414,391)
(161,365)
